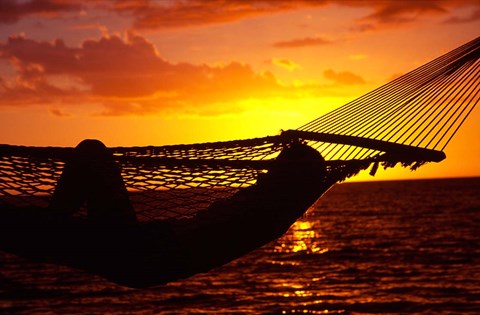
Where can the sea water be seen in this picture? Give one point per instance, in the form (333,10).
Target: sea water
(400,247)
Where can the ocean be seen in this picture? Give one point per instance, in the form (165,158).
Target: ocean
(395,247)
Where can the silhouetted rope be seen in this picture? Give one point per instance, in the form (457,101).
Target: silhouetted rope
(420,108)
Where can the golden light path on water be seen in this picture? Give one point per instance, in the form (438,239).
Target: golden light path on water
(303,238)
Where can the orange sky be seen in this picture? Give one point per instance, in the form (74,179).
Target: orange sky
(164,72)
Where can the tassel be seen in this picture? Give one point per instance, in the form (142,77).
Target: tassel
(374,169)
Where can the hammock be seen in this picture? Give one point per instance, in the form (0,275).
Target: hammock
(199,206)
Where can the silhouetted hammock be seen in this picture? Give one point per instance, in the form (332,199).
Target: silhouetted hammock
(179,210)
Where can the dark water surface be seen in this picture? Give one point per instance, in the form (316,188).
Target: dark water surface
(366,248)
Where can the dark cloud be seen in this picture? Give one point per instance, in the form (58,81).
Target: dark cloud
(173,14)
(397,12)
(11,11)
(303,42)
(472,17)
(155,15)
(128,71)
(389,14)
(59,113)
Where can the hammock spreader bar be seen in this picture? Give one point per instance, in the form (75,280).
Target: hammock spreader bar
(392,148)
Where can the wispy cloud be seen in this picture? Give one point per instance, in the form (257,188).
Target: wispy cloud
(160,15)
(190,13)
(285,64)
(390,14)
(473,16)
(343,78)
(302,42)
(59,113)
(11,10)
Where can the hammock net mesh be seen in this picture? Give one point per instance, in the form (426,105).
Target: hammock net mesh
(163,182)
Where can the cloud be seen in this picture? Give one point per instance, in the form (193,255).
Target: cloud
(474,16)
(59,113)
(190,13)
(195,13)
(126,74)
(343,78)
(303,42)
(285,64)
(161,15)
(11,11)
(390,14)
(403,11)
(146,13)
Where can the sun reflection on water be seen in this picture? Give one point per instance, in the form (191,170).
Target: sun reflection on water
(301,237)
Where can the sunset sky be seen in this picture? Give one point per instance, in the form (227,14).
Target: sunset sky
(139,72)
